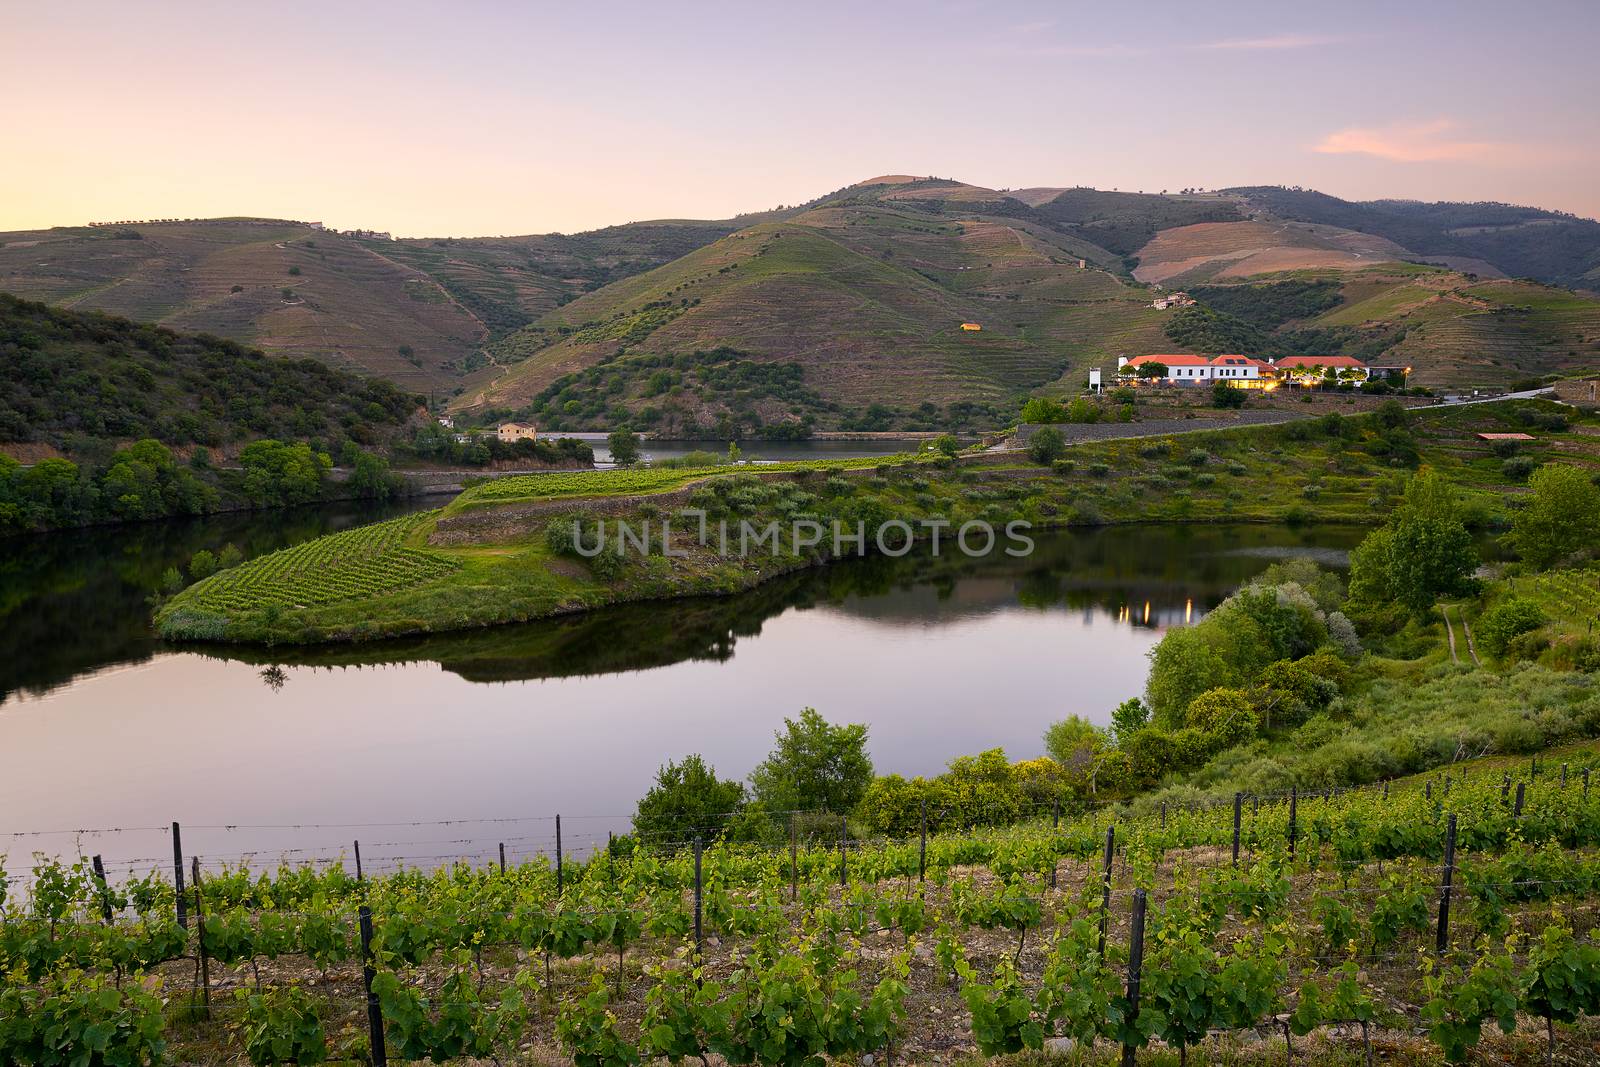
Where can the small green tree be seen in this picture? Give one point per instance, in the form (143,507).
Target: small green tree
(815,765)
(624,445)
(946,444)
(1043,410)
(1152,370)
(1225,395)
(687,801)
(1506,620)
(1129,718)
(1047,445)
(202,564)
(1560,517)
(1422,553)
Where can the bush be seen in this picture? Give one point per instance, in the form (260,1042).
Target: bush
(1043,410)
(1225,716)
(1505,621)
(202,564)
(1224,395)
(1047,445)
(687,801)
(1063,466)
(1518,468)
(1099,470)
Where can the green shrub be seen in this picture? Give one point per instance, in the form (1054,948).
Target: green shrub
(1047,445)
(1505,621)
(1099,470)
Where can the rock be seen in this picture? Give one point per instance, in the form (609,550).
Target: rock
(867,1060)
(1060,1046)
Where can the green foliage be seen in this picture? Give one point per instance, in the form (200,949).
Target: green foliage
(688,800)
(281,475)
(1506,620)
(1043,410)
(1224,715)
(1270,306)
(72,376)
(1560,516)
(1422,553)
(1047,445)
(815,765)
(1212,333)
(1225,395)
(624,445)
(282,1025)
(1128,718)
(947,445)
(80,1020)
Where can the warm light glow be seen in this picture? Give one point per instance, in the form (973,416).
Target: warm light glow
(1188,610)
(500,118)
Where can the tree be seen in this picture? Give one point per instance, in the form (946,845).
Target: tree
(1047,445)
(1184,664)
(946,444)
(1043,410)
(1561,515)
(687,801)
(278,474)
(1224,395)
(1129,718)
(1422,553)
(1074,742)
(815,765)
(1152,370)
(624,445)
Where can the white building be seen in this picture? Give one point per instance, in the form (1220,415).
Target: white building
(1183,369)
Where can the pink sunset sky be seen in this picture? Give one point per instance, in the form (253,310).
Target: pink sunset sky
(501,118)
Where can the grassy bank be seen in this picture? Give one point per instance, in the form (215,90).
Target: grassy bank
(492,555)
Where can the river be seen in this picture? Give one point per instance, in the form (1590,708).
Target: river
(266,753)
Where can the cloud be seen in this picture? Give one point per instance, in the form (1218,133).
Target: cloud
(1276,43)
(1119,50)
(1425,142)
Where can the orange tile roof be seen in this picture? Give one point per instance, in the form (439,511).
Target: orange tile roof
(1321,361)
(1176,360)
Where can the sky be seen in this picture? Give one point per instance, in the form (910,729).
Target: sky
(477,118)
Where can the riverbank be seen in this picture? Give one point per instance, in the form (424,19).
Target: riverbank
(502,552)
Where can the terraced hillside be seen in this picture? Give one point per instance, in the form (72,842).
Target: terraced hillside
(1456,331)
(284,287)
(866,293)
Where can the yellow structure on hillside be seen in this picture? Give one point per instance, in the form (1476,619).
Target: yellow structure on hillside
(971,326)
(518,431)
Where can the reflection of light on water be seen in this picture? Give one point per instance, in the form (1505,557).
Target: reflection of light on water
(1147,612)
(1188,610)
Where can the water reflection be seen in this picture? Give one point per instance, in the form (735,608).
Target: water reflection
(78,601)
(1147,577)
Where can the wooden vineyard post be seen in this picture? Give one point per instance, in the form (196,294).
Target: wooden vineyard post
(794,861)
(1522,793)
(502,857)
(1238,815)
(1135,967)
(844,842)
(699,898)
(560,873)
(200,941)
(1105,886)
(380,1056)
(358,862)
(922,850)
(1442,938)
(103,889)
(1294,798)
(177,876)
(1055,828)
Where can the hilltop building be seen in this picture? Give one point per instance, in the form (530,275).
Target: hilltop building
(972,326)
(1245,371)
(1173,300)
(517,431)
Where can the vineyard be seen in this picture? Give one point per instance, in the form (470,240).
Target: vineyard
(1419,917)
(638,480)
(1569,593)
(353,563)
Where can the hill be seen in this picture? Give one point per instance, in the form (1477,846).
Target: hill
(284,287)
(859,300)
(847,312)
(1455,331)
(1518,241)
(75,381)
